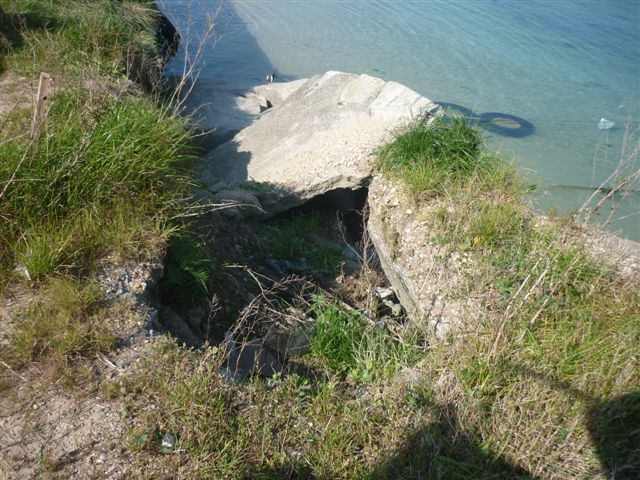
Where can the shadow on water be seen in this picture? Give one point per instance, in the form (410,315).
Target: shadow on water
(231,51)
(503,124)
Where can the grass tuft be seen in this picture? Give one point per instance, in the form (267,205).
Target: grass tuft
(348,345)
(61,325)
(431,156)
(103,165)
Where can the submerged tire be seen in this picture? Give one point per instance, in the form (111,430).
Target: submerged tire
(494,122)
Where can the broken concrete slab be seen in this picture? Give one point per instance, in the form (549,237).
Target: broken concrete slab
(322,138)
(220,107)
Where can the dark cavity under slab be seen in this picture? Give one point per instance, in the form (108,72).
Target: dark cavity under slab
(350,204)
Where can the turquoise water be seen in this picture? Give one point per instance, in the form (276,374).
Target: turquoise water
(560,65)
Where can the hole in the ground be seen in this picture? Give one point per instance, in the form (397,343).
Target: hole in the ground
(267,275)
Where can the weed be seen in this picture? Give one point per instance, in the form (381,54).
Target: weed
(189,272)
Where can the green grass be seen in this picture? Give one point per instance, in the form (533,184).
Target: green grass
(104,169)
(107,173)
(349,345)
(544,385)
(273,428)
(107,178)
(546,382)
(62,324)
(555,334)
(431,157)
(71,38)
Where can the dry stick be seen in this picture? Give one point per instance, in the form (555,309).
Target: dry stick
(15,172)
(189,71)
(551,292)
(39,111)
(625,159)
(500,332)
(8,367)
(213,207)
(38,119)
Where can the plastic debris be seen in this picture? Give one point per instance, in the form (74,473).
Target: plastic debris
(396,308)
(168,443)
(383,293)
(605,124)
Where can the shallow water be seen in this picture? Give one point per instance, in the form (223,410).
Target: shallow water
(559,65)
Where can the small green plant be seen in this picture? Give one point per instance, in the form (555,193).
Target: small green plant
(348,345)
(189,271)
(260,188)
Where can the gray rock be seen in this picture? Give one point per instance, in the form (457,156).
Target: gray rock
(235,204)
(384,293)
(248,357)
(134,281)
(322,137)
(293,340)
(194,318)
(177,327)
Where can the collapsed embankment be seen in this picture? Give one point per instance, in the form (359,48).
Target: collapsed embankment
(507,315)
(305,366)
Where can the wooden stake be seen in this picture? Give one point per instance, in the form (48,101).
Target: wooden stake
(40,110)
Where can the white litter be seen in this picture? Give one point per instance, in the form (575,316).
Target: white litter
(605,124)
